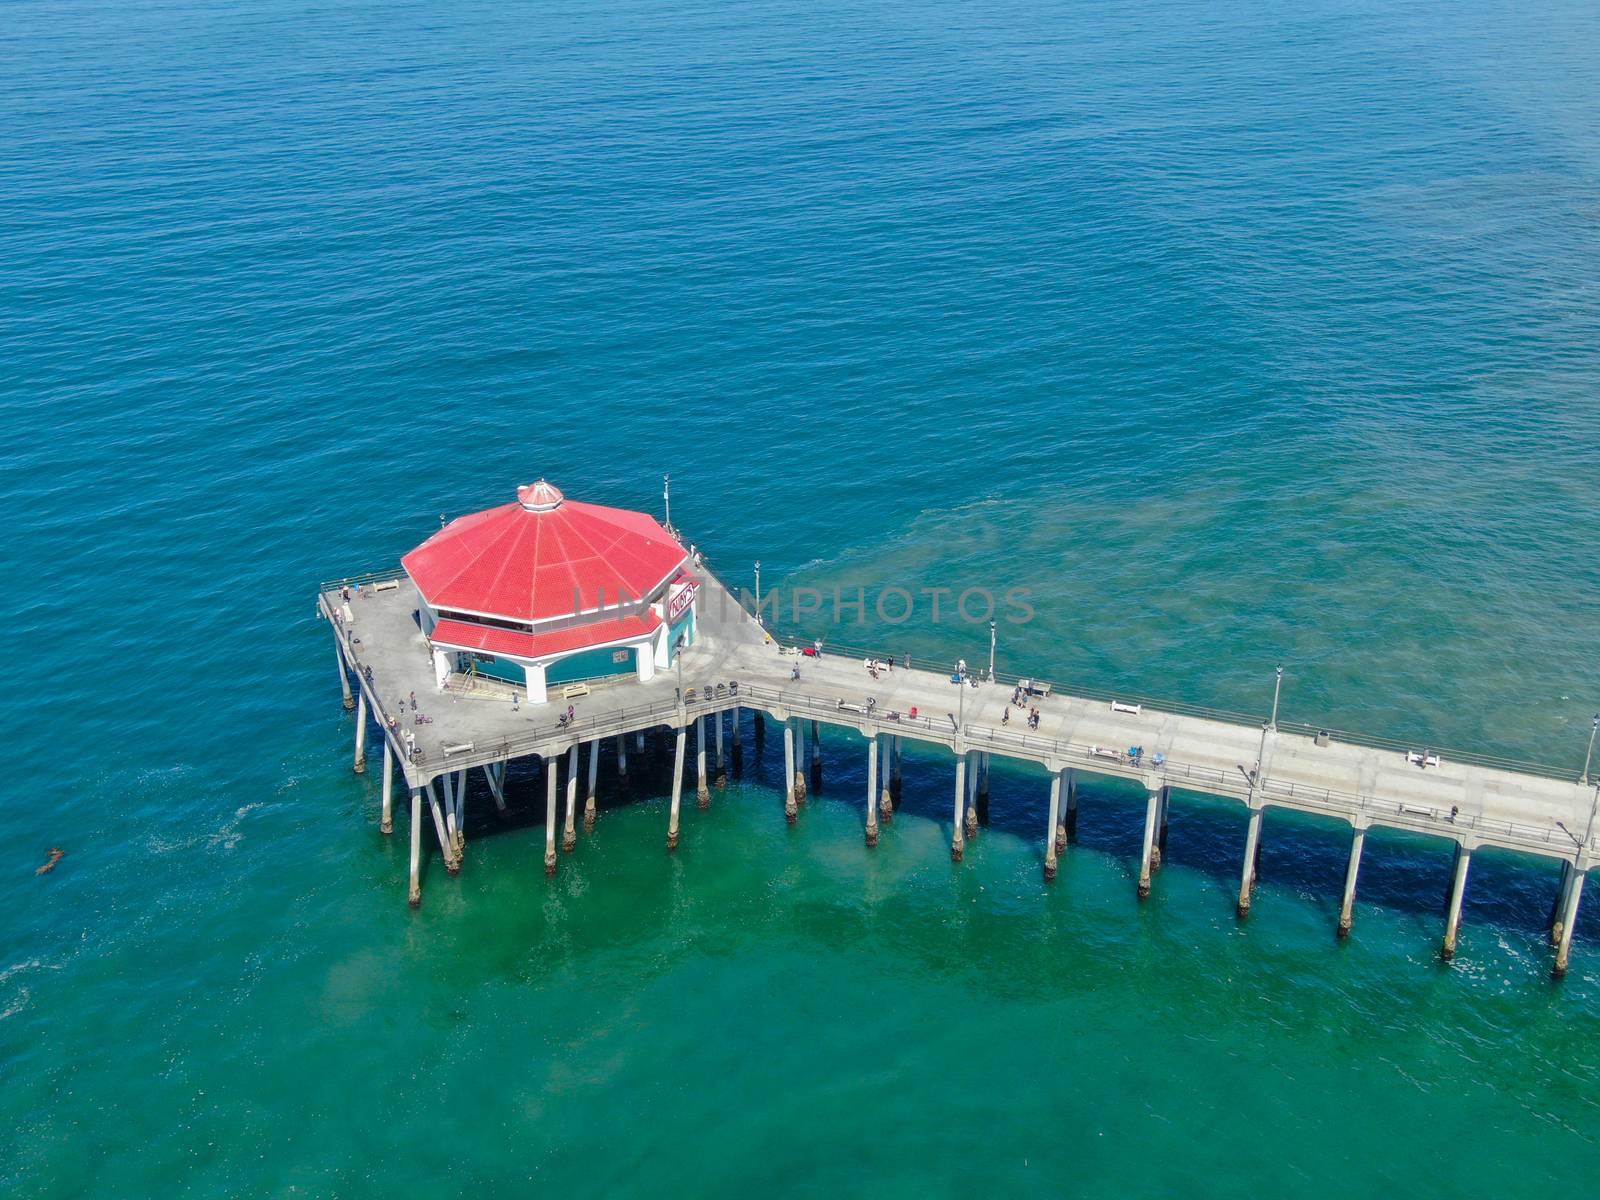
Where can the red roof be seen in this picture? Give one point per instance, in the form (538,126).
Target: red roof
(543,556)
(463,636)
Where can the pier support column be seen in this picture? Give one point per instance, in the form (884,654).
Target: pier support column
(1152,816)
(386,823)
(885,796)
(736,730)
(344,674)
(983,788)
(1069,831)
(722,762)
(702,794)
(790,776)
(1569,918)
(361,735)
(550,772)
(1051,827)
(872,790)
(894,770)
(416,848)
(972,793)
(1252,848)
(588,792)
(958,843)
(816,756)
(450,822)
(759,723)
(677,789)
(495,775)
(1347,905)
(569,832)
(799,772)
(1458,887)
(1159,854)
(638,741)
(447,845)
(622,759)
(1559,905)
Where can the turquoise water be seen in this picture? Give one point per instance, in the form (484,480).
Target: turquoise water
(1234,336)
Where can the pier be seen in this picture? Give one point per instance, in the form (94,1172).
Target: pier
(465,722)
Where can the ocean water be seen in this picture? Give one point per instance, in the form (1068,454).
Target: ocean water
(1235,334)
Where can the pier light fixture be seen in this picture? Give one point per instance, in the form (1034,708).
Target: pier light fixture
(991,651)
(1277,687)
(758,591)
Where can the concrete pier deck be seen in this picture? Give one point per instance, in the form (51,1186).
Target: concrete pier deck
(1471,803)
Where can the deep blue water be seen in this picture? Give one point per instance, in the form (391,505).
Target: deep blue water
(1235,335)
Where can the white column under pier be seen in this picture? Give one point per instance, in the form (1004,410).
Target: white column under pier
(361,735)
(1569,917)
(447,845)
(550,814)
(495,774)
(1051,826)
(1247,879)
(386,822)
(589,799)
(872,790)
(789,775)
(1458,887)
(415,896)
(677,787)
(702,794)
(1347,905)
(958,841)
(344,674)
(1152,815)
(569,833)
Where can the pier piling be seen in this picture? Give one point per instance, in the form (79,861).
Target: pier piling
(550,770)
(971,825)
(1051,827)
(983,788)
(386,822)
(1569,917)
(415,894)
(677,785)
(361,735)
(1347,906)
(958,843)
(872,790)
(446,843)
(791,778)
(1252,854)
(799,773)
(1152,814)
(622,759)
(702,794)
(885,798)
(588,792)
(344,673)
(1458,887)
(569,832)
(1558,906)
(1069,833)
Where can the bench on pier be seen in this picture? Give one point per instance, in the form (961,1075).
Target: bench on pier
(1118,706)
(574,690)
(1034,687)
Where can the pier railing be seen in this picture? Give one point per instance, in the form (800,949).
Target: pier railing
(1079,691)
(1192,776)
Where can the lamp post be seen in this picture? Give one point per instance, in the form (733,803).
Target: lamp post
(677,657)
(1277,687)
(991,651)
(758,591)
(666,498)
(1590,755)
